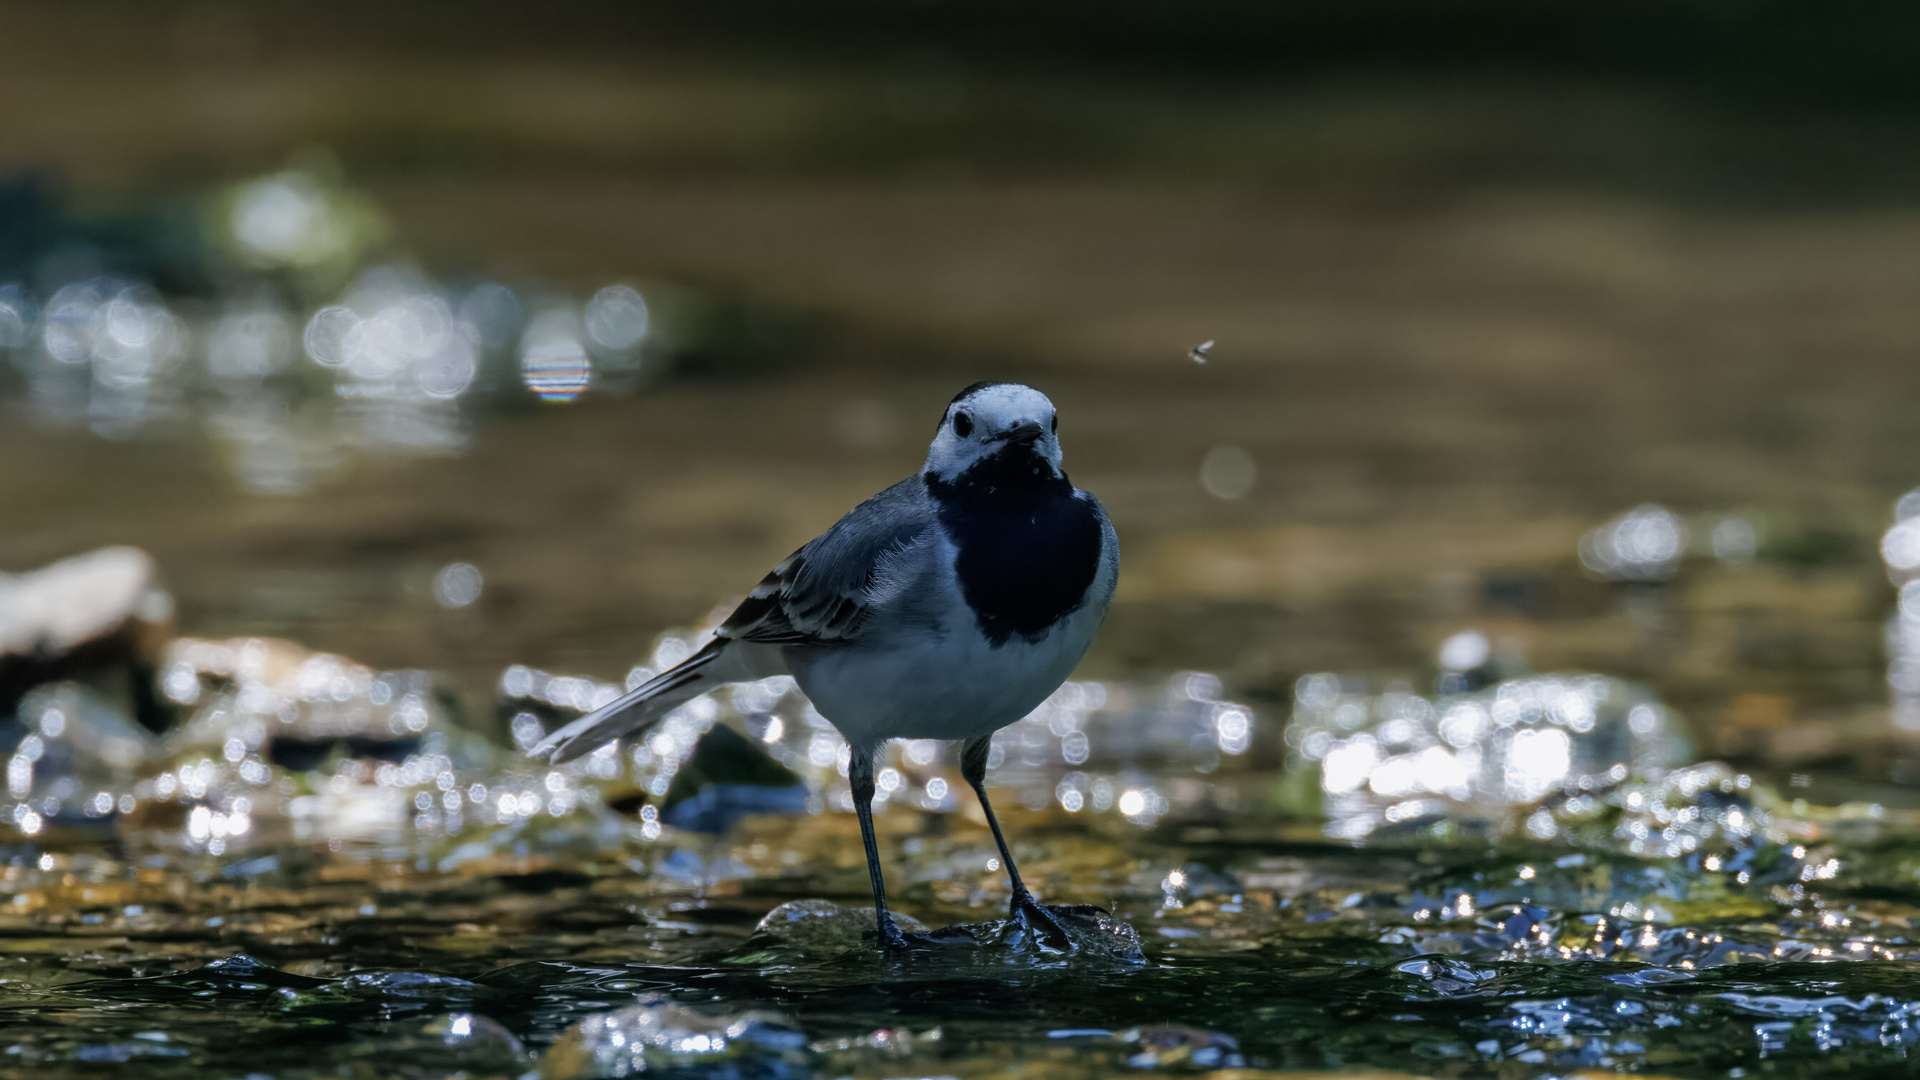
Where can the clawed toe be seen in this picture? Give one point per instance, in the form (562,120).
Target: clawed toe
(945,937)
(893,940)
(1040,925)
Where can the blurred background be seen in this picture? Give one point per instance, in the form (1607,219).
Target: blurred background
(1573,337)
(1509,410)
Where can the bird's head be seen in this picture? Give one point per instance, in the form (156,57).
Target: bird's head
(1003,428)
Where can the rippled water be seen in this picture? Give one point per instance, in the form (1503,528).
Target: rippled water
(319,874)
(1445,801)
(1288,952)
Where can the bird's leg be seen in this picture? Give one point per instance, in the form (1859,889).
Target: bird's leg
(1038,922)
(860,774)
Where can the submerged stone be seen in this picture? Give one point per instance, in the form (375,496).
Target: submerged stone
(407,984)
(728,778)
(659,1035)
(243,972)
(812,931)
(461,1042)
(296,709)
(1398,762)
(1177,1047)
(1710,809)
(73,757)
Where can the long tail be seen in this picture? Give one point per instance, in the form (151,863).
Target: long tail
(644,705)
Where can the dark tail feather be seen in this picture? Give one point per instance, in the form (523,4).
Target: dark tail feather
(636,710)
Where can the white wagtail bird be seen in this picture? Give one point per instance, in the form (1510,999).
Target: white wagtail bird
(946,607)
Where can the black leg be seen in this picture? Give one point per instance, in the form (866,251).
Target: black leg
(860,774)
(1039,923)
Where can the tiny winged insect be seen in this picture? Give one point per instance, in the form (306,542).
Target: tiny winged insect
(1198,354)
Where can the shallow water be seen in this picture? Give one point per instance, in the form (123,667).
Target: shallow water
(1396,754)
(319,873)
(1280,954)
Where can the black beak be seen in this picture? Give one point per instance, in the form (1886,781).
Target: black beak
(1024,433)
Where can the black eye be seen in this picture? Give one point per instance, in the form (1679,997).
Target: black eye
(1056,423)
(962,424)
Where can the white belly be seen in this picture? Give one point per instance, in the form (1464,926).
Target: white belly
(941,685)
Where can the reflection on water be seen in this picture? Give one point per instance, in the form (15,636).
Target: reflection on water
(307,357)
(240,854)
(1642,545)
(320,848)
(1526,869)
(1398,758)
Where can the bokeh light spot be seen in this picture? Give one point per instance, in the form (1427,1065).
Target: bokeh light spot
(553,360)
(457,585)
(1227,472)
(617,317)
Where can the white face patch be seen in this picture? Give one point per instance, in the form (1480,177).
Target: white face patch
(979,425)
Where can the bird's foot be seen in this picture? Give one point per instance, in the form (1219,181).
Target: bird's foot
(1040,925)
(895,940)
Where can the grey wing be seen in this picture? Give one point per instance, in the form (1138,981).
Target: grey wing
(826,591)
(1106,576)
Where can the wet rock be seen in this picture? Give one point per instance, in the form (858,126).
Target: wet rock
(73,758)
(412,984)
(1173,1046)
(728,778)
(296,746)
(474,1037)
(285,744)
(814,930)
(1444,977)
(460,1043)
(1709,809)
(1090,744)
(1397,762)
(295,708)
(102,617)
(122,1053)
(242,974)
(659,1035)
(811,931)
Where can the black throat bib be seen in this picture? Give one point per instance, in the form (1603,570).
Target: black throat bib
(1028,548)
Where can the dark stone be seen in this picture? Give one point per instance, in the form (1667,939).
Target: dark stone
(726,778)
